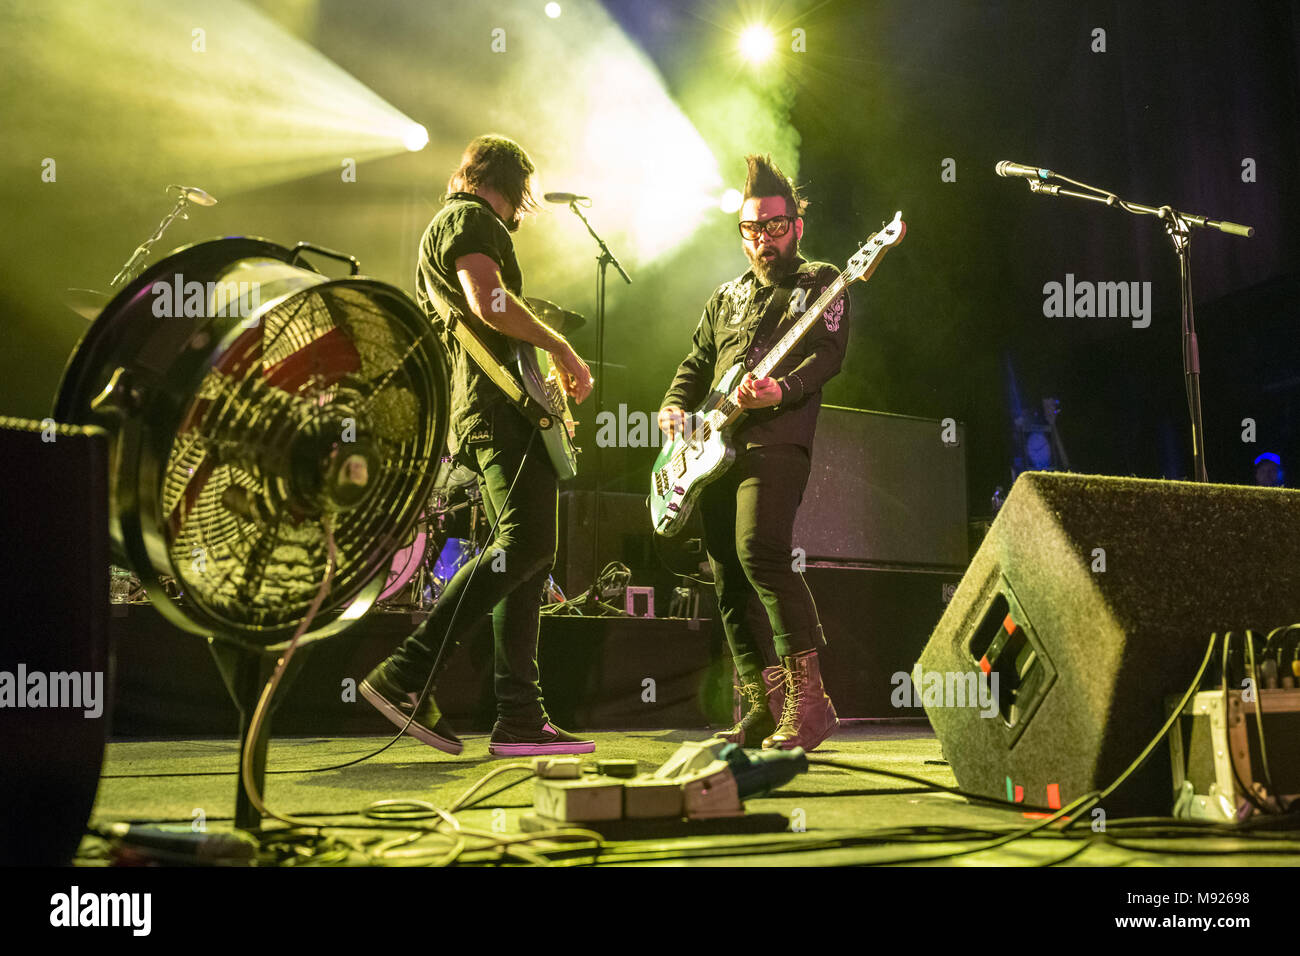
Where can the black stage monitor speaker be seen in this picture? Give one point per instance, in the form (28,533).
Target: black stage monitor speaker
(55,683)
(1091,600)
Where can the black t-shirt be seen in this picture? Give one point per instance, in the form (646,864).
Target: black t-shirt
(467,224)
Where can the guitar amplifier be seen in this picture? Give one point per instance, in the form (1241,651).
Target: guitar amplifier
(885,490)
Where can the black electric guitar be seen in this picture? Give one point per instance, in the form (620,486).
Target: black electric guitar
(537,394)
(546,391)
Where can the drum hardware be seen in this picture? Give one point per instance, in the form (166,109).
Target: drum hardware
(124,587)
(605,598)
(557,317)
(422,569)
(87,303)
(184,196)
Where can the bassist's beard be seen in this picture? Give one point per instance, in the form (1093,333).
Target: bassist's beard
(772,271)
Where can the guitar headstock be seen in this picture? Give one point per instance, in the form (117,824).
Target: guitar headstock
(865,259)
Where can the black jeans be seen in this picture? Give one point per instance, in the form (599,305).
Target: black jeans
(748,517)
(511,570)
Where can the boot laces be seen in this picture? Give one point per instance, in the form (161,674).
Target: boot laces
(754,696)
(794,685)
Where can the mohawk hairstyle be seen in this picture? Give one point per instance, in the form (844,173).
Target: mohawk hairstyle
(766,179)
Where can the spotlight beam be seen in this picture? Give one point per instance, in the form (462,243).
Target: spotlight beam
(757,44)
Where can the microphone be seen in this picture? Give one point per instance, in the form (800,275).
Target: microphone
(195,195)
(172,840)
(565,197)
(1008,168)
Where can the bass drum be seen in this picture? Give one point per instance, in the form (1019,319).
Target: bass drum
(405,564)
(453,481)
(413,561)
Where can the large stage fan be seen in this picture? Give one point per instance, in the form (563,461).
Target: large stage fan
(262,415)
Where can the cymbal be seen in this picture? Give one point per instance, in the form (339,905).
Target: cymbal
(87,303)
(558,318)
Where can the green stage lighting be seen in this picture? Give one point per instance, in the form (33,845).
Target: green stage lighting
(757,44)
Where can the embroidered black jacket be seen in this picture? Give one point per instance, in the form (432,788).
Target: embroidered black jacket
(726,335)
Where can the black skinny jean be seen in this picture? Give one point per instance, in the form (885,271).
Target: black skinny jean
(748,517)
(512,591)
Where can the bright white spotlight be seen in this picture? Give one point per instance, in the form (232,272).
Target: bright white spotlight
(732,200)
(552,10)
(757,43)
(415,138)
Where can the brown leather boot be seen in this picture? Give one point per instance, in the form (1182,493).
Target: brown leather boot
(809,716)
(764,695)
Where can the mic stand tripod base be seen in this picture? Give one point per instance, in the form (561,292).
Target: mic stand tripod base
(584,605)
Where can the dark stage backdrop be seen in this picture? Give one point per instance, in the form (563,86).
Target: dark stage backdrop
(1189,104)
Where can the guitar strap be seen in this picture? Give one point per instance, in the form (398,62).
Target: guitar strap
(482,356)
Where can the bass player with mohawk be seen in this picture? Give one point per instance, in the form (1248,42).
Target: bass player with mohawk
(749,512)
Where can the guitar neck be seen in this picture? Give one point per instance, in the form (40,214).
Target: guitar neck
(811,316)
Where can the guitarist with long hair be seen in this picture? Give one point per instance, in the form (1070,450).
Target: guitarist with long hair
(748,512)
(468,270)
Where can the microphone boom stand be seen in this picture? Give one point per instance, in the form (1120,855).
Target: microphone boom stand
(603,261)
(1178,226)
(133,264)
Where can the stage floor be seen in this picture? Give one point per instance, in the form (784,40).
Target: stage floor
(169,780)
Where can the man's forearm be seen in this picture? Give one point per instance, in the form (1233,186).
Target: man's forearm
(518,323)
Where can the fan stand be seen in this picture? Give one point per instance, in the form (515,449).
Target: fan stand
(245,671)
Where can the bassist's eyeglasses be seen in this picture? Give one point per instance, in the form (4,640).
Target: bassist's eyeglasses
(775,227)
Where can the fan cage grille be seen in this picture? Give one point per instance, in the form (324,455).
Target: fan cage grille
(241,545)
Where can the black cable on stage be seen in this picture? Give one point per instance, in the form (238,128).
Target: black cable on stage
(1223,690)
(1174,715)
(1083,803)
(459,846)
(929,785)
(1076,852)
(1280,799)
(428,684)
(996,801)
(1135,826)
